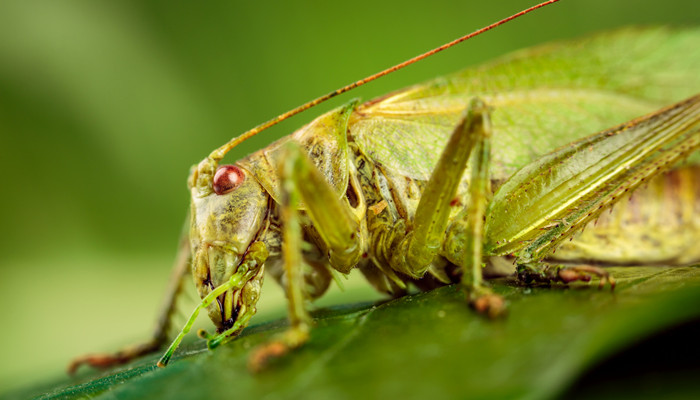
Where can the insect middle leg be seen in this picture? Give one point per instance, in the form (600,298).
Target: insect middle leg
(426,235)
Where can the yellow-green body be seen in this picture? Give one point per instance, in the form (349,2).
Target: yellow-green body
(426,184)
(379,155)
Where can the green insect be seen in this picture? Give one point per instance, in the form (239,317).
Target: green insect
(427,185)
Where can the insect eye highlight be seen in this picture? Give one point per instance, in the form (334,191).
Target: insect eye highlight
(227,178)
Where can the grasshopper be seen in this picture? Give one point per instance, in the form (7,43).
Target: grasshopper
(426,185)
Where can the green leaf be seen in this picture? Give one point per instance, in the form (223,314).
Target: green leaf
(427,345)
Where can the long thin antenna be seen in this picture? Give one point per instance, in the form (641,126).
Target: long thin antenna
(219,153)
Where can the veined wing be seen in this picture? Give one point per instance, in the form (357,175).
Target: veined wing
(542,98)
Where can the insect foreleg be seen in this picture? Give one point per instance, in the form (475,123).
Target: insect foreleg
(160,334)
(337,228)
(332,218)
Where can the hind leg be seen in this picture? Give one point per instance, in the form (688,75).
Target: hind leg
(542,206)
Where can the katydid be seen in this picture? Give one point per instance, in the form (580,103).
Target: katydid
(426,185)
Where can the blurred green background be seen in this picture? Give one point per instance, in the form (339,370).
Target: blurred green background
(105,105)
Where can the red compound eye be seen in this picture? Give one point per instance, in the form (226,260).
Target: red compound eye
(227,178)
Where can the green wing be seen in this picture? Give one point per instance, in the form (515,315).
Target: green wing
(542,98)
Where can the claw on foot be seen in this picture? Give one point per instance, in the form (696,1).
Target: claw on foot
(263,355)
(489,304)
(584,272)
(279,346)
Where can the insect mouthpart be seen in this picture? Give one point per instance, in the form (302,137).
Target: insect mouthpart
(221,264)
(218,265)
(228,323)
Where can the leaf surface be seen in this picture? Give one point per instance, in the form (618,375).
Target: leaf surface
(427,345)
